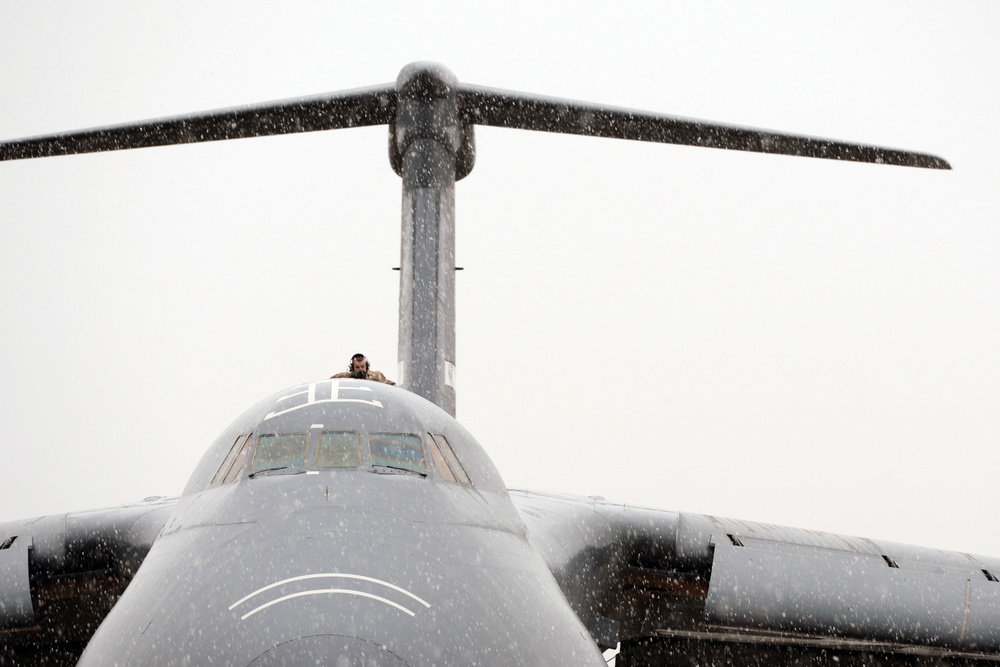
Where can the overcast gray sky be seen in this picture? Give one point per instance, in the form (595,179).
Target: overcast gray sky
(787,340)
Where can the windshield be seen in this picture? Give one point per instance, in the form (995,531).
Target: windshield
(280,450)
(403,451)
(338,449)
(298,452)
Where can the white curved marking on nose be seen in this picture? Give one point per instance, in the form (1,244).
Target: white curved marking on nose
(325,591)
(336,575)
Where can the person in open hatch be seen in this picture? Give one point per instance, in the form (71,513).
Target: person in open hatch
(360,369)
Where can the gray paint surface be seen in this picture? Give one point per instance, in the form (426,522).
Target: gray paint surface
(631,546)
(851,595)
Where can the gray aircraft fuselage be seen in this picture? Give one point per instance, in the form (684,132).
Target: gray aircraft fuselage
(374,563)
(352,523)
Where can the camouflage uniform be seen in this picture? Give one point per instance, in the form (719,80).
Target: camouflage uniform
(374,376)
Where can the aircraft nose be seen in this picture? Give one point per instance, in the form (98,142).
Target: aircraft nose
(328,651)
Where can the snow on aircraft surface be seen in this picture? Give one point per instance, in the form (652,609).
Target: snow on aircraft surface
(349,522)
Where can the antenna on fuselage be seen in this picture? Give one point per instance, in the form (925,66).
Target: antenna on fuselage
(431,146)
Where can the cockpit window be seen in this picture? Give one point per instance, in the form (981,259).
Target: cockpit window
(404,451)
(241,458)
(338,449)
(319,449)
(233,463)
(443,447)
(438,460)
(228,462)
(280,450)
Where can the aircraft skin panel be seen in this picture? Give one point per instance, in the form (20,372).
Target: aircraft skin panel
(677,586)
(856,595)
(16,610)
(366,562)
(406,574)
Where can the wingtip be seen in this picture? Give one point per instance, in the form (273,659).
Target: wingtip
(928,161)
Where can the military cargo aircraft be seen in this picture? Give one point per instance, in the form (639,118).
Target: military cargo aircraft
(349,522)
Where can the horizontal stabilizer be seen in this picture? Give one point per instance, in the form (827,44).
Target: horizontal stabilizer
(352,108)
(504,108)
(476,105)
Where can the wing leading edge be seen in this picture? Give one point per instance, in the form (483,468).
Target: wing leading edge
(676,586)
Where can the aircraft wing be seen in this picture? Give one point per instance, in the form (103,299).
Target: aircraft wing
(61,574)
(723,591)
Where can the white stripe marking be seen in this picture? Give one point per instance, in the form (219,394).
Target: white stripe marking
(323,591)
(373,403)
(335,575)
(310,394)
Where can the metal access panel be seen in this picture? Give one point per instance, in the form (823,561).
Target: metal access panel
(16,610)
(846,594)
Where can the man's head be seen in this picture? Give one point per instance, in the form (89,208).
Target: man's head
(358,363)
